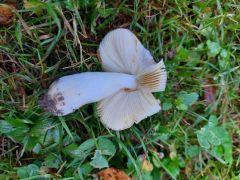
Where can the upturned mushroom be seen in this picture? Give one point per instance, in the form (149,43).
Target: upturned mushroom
(124,92)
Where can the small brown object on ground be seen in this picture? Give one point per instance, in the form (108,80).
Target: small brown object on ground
(209,92)
(6,14)
(112,174)
(147,165)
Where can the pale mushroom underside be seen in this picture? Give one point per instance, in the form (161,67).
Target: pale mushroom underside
(121,51)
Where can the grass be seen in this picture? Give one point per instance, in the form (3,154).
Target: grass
(195,136)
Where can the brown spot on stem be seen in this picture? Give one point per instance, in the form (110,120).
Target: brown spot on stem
(60,96)
(49,103)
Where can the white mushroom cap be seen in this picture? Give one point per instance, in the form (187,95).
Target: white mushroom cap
(121,110)
(121,51)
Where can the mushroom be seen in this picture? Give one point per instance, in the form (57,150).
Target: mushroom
(124,92)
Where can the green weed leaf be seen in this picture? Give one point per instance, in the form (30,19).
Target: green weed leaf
(28,171)
(14,128)
(212,138)
(203,139)
(173,166)
(87,145)
(224,53)
(167,106)
(189,99)
(193,151)
(106,146)
(98,161)
(185,100)
(86,168)
(5,127)
(213,48)
(52,161)
(213,121)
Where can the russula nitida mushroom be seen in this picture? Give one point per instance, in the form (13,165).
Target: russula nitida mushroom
(124,92)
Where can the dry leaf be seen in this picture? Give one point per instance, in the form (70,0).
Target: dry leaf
(147,165)
(6,14)
(112,174)
(209,92)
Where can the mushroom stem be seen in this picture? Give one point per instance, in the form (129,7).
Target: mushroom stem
(71,92)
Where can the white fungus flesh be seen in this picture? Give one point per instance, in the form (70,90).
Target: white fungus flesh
(124,92)
(69,93)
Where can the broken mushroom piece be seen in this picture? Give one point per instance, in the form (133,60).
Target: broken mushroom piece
(124,92)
